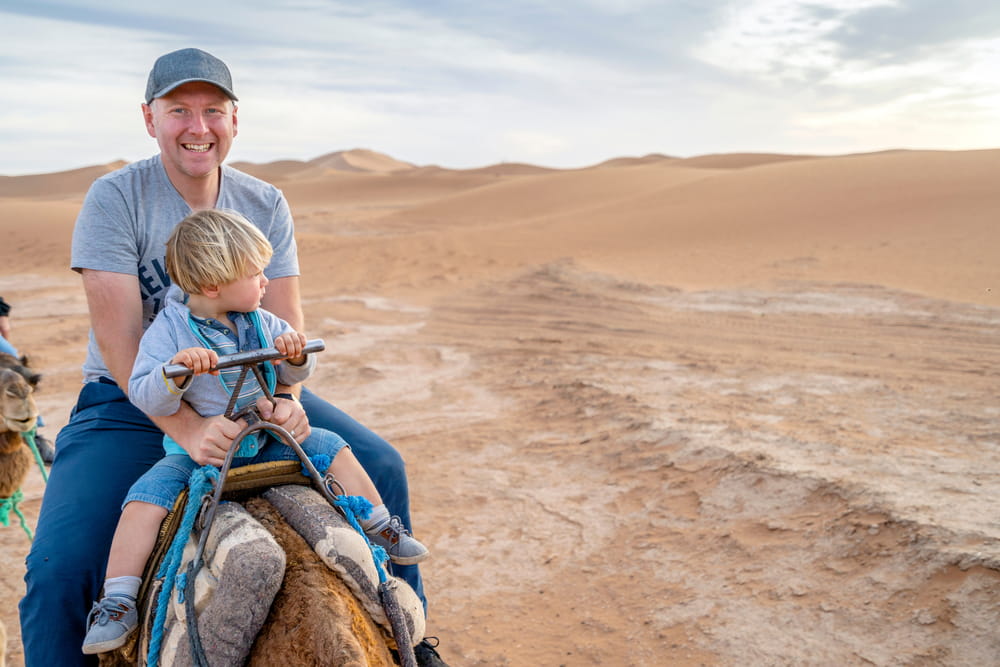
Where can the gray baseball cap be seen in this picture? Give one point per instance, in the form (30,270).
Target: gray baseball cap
(179,67)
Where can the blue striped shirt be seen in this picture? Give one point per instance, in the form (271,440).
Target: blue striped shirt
(220,337)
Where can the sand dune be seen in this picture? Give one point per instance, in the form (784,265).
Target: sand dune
(356,160)
(360,159)
(55,186)
(740,160)
(727,409)
(652,158)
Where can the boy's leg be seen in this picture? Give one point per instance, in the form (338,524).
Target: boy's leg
(115,617)
(147,503)
(105,447)
(344,466)
(382,463)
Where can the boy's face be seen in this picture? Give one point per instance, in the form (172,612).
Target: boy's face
(243,294)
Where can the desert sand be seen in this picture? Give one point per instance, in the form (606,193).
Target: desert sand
(723,410)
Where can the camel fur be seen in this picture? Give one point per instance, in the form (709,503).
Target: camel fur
(315,619)
(18,414)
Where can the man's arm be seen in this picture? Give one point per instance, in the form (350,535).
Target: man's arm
(283,299)
(116,318)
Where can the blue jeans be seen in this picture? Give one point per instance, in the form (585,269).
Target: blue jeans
(161,484)
(106,446)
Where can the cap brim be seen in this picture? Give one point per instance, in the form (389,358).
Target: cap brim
(163,91)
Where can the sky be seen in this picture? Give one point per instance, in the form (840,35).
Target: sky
(557,83)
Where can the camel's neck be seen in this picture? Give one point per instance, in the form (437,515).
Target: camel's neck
(10,441)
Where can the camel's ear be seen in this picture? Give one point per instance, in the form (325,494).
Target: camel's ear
(32,377)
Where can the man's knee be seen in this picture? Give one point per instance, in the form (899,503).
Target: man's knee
(50,560)
(388,459)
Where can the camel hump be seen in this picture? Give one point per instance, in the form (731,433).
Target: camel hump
(246,565)
(345,552)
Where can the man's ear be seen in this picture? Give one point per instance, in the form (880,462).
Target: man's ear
(147,116)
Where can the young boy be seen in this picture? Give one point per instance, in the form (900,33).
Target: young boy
(215,260)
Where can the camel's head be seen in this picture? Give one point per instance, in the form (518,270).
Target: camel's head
(17,404)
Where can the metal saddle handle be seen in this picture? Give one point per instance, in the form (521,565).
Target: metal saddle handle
(248,357)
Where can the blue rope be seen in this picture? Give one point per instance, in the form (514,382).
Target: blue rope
(199,486)
(353,508)
(357,506)
(320,461)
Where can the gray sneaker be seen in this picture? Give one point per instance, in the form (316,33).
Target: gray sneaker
(109,624)
(403,548)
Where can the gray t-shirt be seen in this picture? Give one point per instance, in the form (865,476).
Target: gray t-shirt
(127,218)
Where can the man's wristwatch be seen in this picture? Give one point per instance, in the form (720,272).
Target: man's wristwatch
(290,397)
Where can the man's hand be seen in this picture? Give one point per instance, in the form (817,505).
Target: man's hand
(213,438)
(288,414)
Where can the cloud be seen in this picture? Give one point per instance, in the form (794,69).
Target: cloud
(902,31)
(465,84)
(781,42)
(875,73)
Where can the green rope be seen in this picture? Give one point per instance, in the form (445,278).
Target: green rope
(29,436)
(11,504)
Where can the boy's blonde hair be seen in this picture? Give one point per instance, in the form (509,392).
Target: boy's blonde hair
(214,247)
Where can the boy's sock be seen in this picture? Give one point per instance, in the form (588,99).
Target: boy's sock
(375,521)
(122,586)
(388,532)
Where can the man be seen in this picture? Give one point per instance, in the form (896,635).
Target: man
(5,346)
(45,448)
(118,247)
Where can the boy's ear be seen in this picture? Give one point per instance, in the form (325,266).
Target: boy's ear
(211,291)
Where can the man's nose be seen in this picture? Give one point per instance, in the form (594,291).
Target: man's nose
(198,124)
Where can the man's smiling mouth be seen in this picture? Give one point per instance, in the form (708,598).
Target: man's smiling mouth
(197,148)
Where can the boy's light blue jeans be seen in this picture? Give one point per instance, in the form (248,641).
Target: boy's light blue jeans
(162,483)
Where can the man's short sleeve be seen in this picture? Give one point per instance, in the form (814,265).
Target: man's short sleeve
(104,235)
(285,261)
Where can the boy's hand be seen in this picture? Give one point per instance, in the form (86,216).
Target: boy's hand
(198,359)
(291,345)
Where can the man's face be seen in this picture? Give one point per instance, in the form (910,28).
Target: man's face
(194,125)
